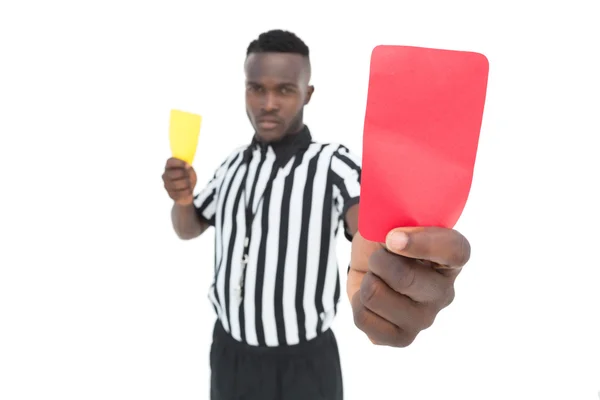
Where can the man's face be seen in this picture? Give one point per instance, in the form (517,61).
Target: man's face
(276,92)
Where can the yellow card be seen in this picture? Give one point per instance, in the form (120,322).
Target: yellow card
(184,131)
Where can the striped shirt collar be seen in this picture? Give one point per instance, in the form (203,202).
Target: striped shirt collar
(285,148)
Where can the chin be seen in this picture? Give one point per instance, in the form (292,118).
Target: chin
(270,135)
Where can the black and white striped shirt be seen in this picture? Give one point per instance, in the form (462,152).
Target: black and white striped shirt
(276,210)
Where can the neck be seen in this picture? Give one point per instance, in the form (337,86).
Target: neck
(288,145)
(295,130)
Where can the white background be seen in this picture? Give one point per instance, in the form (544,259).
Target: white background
(99,300)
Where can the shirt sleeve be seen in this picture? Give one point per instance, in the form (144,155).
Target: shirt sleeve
(345,174)
(205,200)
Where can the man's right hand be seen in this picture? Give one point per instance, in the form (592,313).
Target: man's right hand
(180,180)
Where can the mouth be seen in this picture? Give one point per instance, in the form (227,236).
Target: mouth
(268,123)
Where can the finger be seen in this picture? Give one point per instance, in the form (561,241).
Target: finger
(394,307)
(361,250)
(175,173)
(407,276)
(353,282)
(177,185)
(181,195)
(446,247)
(191,173)
(379,330)
(176,163)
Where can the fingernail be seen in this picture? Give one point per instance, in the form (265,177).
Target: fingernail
(397,241)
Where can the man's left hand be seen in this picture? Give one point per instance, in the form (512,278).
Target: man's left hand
(398,288)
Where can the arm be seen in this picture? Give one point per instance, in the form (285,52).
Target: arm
(191,220)
(346,173)
(186,221)
(352,220)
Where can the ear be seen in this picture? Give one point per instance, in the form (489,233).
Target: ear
(309,93)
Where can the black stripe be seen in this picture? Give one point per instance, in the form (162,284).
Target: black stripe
(324,253)
(212,197)
(224,202)
(347,199)
(339,182)
(262,256)
(236,206)
(349,162)
(254,184)
(200,210)
(218,267)
(225,174)
(349,203)
(336,295)
(250,204)
(283,245)
(323,223)
(303,245)
(231,237)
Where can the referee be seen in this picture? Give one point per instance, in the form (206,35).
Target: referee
(277,206)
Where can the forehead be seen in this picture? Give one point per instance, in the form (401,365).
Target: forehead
(279,67)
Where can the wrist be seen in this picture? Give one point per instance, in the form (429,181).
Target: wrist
(185,203)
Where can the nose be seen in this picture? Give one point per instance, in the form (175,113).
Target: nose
(270,103)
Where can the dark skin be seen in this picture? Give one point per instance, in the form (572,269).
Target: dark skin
(180,180)
(396,288)
(277,89)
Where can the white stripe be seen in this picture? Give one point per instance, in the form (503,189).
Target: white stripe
(212,187)
(273,236)
(203,195)
(330,275)
(250,286)
(226,205)
(352,186)
(263,178)
(342,169)
(213,299)
(219,215)
(268,300)
(338,195)
(291,262)
(353,157)
(238,249)
(314,240)
(349,175)
(327,163)
(252,173)
(210,210)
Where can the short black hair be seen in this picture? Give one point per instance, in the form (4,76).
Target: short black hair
(278,41)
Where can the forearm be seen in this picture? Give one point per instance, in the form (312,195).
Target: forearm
(352,223)
(352,220)
(186,222)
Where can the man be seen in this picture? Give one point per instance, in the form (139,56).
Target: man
(276,205)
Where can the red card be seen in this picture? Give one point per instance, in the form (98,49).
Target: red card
(422,124)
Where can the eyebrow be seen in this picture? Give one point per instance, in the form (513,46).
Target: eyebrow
(282,84)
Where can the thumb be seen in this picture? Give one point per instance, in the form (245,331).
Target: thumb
(192,175)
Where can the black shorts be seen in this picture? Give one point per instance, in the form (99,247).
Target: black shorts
(308,371)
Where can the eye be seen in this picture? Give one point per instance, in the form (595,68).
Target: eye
(254,88)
